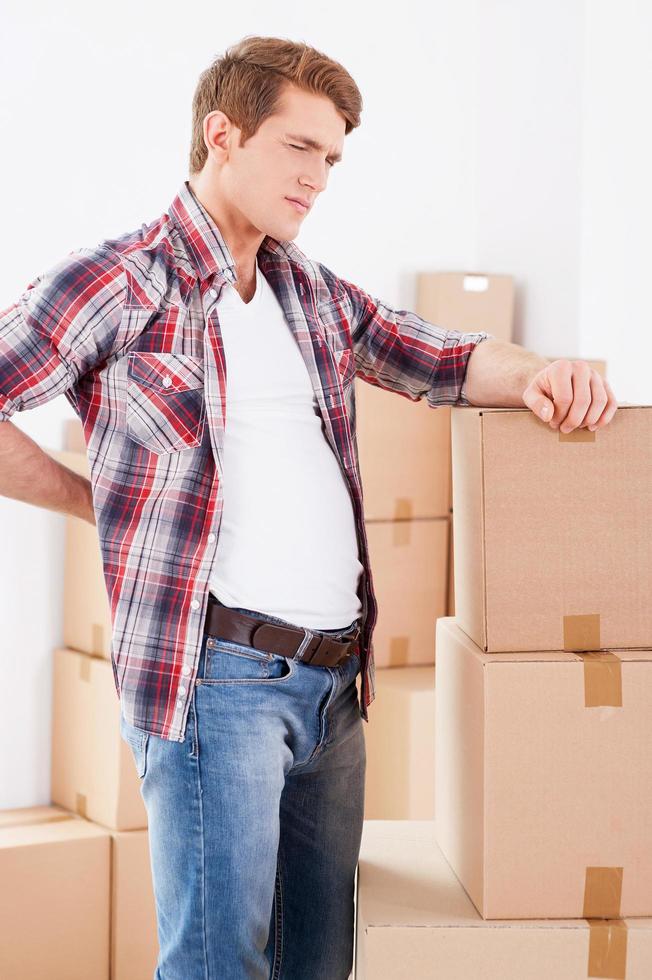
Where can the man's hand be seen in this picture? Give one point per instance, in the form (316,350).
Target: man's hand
(570,395)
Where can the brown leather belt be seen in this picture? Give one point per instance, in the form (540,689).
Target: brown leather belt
(312,648)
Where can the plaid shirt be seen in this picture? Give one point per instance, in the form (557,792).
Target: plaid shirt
(129,331)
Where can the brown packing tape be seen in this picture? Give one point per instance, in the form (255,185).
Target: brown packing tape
(603,680)
(84,667)
(401,533)
(577,435)
(98,638)
(399,647)
(403,509)
(602,891)
(80,804)
(607,949)
(582,632)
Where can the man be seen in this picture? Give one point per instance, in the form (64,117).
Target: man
(212,364)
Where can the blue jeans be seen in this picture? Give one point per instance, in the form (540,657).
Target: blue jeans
(255,819)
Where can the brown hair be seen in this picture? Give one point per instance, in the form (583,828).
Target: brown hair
(247,83)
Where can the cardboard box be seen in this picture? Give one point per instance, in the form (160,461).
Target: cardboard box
(409,561)
(86,609)
(467,301)
(450,601)
(404,453)
(73,436)
(44,813)
(414,920)
(543,783)
(93,772)
(400,746)
(54,896)
(134,940)
(559,523)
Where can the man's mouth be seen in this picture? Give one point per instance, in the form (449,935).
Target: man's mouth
(299,205)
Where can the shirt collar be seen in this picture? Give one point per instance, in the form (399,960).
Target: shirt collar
(205,244)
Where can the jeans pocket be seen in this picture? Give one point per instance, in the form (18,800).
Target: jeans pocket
(137,740)
(238,663)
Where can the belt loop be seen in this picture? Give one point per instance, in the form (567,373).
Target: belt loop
(307,638)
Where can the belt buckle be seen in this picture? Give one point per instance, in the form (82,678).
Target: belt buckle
(308,636)
(355,636)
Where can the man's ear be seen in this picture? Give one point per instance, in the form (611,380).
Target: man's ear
(219,133)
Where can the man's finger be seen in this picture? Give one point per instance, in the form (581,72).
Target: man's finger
(561,386)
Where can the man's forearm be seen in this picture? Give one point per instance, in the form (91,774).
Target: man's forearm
(27,473)
(498,373)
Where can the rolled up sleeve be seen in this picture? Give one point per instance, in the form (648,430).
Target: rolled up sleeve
(66,323)
(400,351)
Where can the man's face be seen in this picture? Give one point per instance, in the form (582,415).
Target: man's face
(277,163)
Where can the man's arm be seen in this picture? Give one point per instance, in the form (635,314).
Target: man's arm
(500,373)
(400,351)
(566,394)
(29,474)
(65,324)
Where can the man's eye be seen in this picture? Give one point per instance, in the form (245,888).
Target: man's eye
(295,147)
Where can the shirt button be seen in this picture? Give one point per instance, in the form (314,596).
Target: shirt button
(213,293)
(182,691)
(211,538)
(194,604)
(167,381)
(185,670)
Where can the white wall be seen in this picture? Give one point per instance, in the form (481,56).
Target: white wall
(616,246)
(497,136)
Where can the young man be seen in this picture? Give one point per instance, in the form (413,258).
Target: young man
(212,364)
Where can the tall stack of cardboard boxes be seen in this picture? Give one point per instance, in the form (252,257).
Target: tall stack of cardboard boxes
(405,463)
(404,450)
(539,861)
(76,897)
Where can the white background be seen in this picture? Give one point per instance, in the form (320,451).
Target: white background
(504,136)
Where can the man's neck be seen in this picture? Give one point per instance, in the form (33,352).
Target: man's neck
(241,239)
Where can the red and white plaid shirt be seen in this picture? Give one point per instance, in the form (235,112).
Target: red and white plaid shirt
(129,331)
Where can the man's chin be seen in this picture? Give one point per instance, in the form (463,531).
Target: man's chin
(284,233)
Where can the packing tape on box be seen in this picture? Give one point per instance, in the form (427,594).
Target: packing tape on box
(84,667)
(403,509)
(607,949)
(80,804)
(582,632)
(577,435)
(602,890)
(401,532)
(97,633)
(603,680)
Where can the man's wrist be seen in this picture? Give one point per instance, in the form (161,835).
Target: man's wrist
(498,372)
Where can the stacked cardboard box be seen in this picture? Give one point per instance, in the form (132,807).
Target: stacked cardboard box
(549,698)
(469,302)
(414,920)
(404,451)
(405,463)
(543,721)
(55,896)
(76,897)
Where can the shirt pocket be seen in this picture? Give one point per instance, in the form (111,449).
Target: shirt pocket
(165,405)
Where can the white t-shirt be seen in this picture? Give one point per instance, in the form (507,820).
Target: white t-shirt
(287,543)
